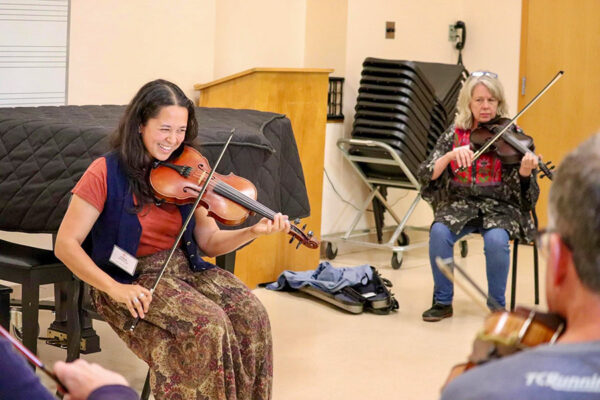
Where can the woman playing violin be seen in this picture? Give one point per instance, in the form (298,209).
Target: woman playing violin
(483,195)
(568,369)
(203,333)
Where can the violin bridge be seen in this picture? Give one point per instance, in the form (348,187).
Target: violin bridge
(201,177)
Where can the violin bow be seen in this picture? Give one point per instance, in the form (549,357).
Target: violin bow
(447,265)
(490,142)
(132,323)
(32,358)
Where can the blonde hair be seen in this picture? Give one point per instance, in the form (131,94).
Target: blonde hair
(464,116)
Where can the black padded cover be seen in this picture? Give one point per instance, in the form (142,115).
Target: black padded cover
(45,150)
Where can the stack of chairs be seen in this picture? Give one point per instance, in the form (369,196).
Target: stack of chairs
(407,105)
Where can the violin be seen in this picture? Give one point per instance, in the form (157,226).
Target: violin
(507,332)
(510,147)
(229,199)
(486,141)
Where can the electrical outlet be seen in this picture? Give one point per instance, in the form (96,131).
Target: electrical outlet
(390,29)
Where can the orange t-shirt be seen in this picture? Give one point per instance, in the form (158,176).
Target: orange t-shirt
(160,225)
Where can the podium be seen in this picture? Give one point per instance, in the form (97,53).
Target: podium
(300,94)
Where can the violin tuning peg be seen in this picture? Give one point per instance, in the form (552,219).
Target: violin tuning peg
(310,234)
(291,240)
(296,221)
(298,245)
(304,227)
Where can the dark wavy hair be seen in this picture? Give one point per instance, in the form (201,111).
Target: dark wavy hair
(127,140)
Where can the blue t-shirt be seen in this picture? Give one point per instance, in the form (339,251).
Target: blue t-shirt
(569,371)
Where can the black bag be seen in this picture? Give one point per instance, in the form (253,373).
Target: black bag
(374,296)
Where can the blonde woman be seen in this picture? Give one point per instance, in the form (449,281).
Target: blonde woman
(487,196)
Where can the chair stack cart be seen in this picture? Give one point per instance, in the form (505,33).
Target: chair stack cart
(401,110)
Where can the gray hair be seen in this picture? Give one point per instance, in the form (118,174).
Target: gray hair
(574,209)
(464,116)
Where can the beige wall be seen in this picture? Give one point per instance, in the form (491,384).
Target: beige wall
(326,35)
(116,46)
(258,33)
(493,44)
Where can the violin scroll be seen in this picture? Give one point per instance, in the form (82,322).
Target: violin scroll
(302,237)
(546,169)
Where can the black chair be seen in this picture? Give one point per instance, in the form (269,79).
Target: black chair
(5,306)
(32,267)
(536,276)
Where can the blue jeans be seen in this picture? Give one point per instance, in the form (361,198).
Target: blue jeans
(497,259)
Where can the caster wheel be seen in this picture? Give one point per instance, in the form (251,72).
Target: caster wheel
(396,260)
(403,240)
(331,251)
(464,248)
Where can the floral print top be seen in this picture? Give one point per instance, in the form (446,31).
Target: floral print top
(493,192)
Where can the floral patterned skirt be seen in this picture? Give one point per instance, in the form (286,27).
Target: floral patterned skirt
(205,335)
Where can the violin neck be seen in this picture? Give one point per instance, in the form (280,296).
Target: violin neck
(231,193)
(249,203)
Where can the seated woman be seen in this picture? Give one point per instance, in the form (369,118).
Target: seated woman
(483,195)
(203,333)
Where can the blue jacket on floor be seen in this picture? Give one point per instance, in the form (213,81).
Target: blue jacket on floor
(326,278)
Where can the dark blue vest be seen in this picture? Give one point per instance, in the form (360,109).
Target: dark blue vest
(119,225)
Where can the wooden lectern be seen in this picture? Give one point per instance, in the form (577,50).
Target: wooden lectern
(300,94)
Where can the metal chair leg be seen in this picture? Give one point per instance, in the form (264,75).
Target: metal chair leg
(75,315)
(31,303)
(514,274)
(536,276)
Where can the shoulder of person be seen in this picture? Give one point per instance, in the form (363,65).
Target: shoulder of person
(448,134)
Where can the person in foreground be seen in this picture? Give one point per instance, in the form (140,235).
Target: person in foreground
(489,196)
(568,369)
(203,333)
(81,379)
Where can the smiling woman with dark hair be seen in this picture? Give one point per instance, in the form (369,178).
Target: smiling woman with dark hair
(467,196)
(203,333)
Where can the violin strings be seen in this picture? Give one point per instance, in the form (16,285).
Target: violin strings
(239,197)
(242,199)
(250,203)
(236,195)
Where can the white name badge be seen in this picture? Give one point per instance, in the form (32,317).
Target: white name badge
(123,260)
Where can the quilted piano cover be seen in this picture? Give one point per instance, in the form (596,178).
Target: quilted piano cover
(45,150)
